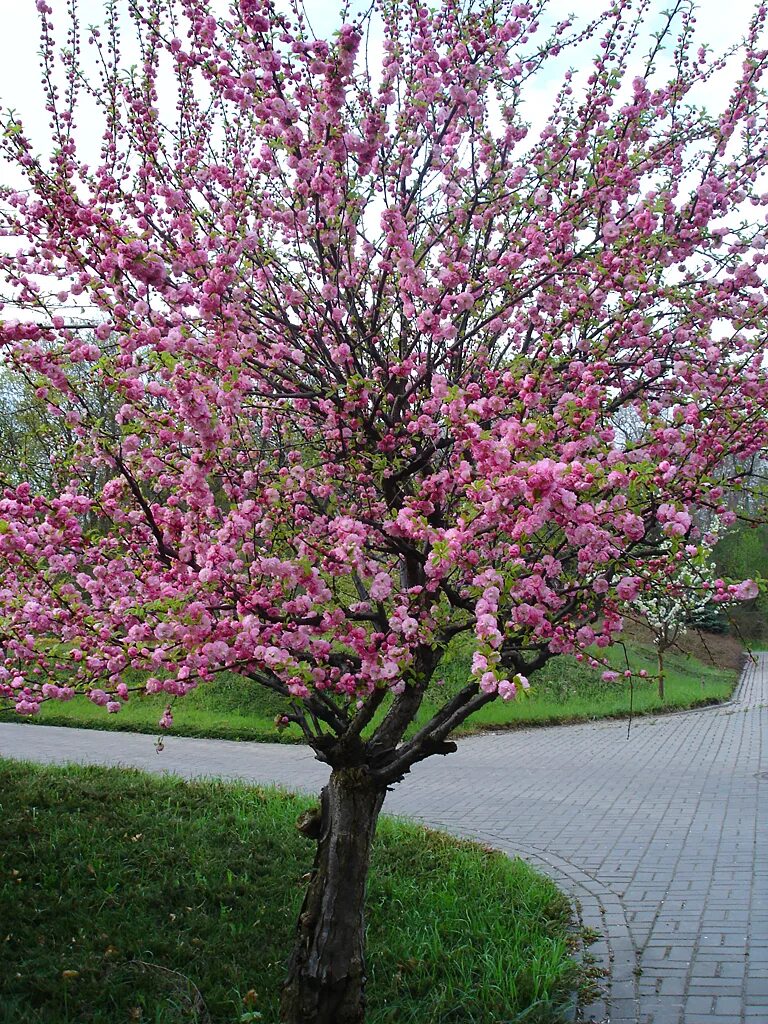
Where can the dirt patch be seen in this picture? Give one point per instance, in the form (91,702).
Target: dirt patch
(720,649)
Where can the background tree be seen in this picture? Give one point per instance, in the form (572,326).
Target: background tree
(668,612)
(743,552)
(37,436)
(28,444)
(368,338)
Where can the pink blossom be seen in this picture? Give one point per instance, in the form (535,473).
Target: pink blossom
(381,587)
(150,271)
(27,707)
(628,587)
(479,663)
(488,683)
(297,688)
(507,690)
(747,590)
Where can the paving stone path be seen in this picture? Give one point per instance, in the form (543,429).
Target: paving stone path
(662,836)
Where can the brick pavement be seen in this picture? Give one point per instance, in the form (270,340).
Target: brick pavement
(662,836)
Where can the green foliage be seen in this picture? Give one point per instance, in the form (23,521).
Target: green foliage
(710,617)
(568,691)
(125,897)
(743,554)
(229,707)
(29,435)
(36,442)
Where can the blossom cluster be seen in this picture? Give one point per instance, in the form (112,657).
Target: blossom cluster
(372,352)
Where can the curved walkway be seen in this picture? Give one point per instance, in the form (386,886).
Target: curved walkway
(662,836)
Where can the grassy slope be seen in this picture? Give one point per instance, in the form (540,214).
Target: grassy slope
(563,691)
(578,693)
(166,897)
(229,708)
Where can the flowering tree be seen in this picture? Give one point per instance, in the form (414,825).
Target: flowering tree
(368,339)
(690,589)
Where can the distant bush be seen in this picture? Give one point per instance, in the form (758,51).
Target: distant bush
(711,618)
(743,554)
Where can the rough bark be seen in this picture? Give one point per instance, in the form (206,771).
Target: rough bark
(326,971)
(660,660)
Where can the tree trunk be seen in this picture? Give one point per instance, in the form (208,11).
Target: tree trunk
(660,659)
(326,971)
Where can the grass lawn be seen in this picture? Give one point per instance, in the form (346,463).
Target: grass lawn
(563,691)
(229,708)
(578,693)
(126,898)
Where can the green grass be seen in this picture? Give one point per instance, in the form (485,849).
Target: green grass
(228,708)
(564,691)
(125,897)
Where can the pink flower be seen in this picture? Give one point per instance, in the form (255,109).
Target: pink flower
(381,587)
(479,663)
(488,683)
(507,689)
(297,688)
(150,271)
(746,590)
(27,707)
(628,588)
(586,635)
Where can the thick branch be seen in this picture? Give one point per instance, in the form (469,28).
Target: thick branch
(365,715)
(398,718)
(432,738)
(318,705)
